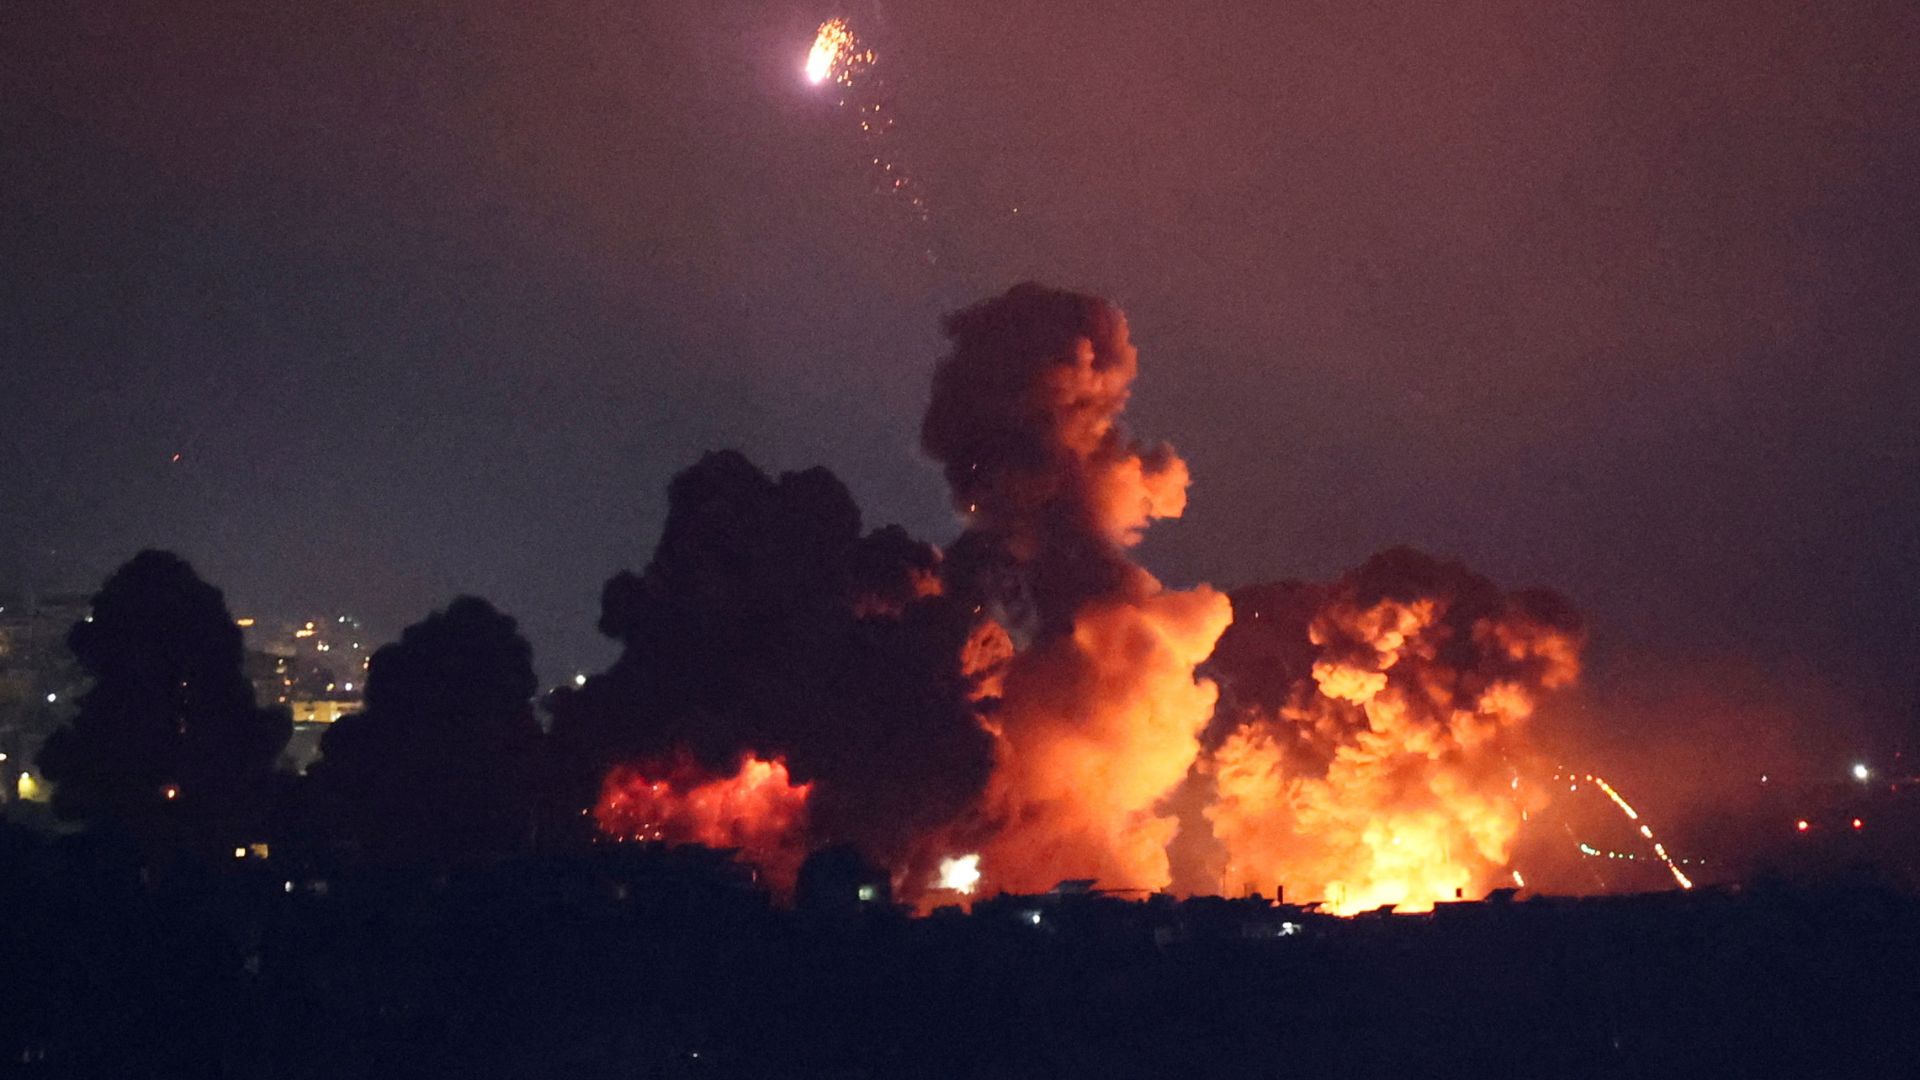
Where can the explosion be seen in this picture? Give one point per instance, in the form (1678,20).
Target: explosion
(757,810)
(1033,697)
(1099,714)
(1378,756)
(961,874)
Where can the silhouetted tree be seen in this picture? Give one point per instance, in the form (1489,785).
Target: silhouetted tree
(168,742)
(443,762)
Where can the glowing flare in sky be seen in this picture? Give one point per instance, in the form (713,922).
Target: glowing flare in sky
(836,53)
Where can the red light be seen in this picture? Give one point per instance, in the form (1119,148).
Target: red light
(1802,825)
(1857,823)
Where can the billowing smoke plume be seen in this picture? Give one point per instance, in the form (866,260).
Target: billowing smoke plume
(1099,713)
(1035,703)
(768,627)
(1371,744)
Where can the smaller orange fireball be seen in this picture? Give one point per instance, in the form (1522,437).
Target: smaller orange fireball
(759,810)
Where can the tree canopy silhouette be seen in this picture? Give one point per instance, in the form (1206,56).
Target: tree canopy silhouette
(168,741)
(443,762)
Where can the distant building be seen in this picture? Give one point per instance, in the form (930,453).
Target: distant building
(316,668)
(39,680)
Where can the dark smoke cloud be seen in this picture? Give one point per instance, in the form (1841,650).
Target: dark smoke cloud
(1483,634)
(1025,423)
(767,622)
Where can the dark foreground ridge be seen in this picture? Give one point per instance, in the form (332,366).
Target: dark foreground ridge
(648,961)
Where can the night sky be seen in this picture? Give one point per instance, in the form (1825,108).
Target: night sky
(1619,298)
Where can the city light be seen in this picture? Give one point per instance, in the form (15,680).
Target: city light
(51,698)
(1861,772)
(1802,825)
(1857,824)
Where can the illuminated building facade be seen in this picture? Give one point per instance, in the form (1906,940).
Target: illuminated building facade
(316,668)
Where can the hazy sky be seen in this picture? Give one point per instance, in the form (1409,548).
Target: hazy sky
(433,298)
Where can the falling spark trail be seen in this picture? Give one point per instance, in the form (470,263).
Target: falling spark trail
(1646,831)
(839,56)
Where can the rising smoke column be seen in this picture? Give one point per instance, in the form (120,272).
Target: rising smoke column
(1099,712)
(1371,747)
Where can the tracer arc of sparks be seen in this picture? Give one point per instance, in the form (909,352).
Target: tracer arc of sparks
(1645,830)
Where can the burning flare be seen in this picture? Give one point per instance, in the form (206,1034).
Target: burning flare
(840,56)
(758,810)
(836,54)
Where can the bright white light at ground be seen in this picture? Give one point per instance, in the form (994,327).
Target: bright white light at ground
(962,875)
(1861,772)
(51,698)
(579,680)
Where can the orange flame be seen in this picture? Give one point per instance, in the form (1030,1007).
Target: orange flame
(1392,778)
(1095,730)
(758,810)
